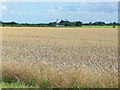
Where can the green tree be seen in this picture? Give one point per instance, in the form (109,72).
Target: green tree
(52,24)
(79,23)
(90,23)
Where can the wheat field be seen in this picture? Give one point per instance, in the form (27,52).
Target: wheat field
(63,57)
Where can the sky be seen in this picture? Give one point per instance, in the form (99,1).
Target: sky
(45,12)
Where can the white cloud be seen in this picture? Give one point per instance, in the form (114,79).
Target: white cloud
(94,16)
(21,12)
(3,8)
(51,11)
(61,8)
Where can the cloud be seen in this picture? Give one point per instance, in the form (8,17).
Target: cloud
(49,11)
(18,12)
(105,7)
(3,8)
(60,7)
(90,7)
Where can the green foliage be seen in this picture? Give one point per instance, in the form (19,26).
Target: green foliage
(8,80)
(113,26)
(45,84)
(11,83)
(90,23)
(16,84)
(78,23)
(31,82)
(62,23)
(97,26)
(99,23)
(52,24)
(13,23)
(68,23)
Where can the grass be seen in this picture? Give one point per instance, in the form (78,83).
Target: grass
(99,26)
(83,26)
(19,84)
(11,83)
(90,26)
(14,85)
(61,57)
(22,85)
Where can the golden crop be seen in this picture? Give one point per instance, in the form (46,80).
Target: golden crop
(65,57)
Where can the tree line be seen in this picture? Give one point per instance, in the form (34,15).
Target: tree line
(66,23)
(61,23)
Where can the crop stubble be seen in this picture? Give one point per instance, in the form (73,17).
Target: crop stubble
(64,57)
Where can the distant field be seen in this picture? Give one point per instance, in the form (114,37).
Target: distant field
(93,26)
(61,57)
(83,26)
(99,26)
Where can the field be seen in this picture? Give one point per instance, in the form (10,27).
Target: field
(94,26)
(104,26)
(61,57)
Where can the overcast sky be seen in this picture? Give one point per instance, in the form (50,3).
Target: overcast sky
(44,12)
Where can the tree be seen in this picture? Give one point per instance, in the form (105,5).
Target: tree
(79,23)
(114,23)
(99,23)
(52,24)
(90,23)
(13,23)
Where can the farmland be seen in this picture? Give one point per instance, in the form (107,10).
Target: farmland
(61,57)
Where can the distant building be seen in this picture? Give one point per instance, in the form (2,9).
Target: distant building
(60,24)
